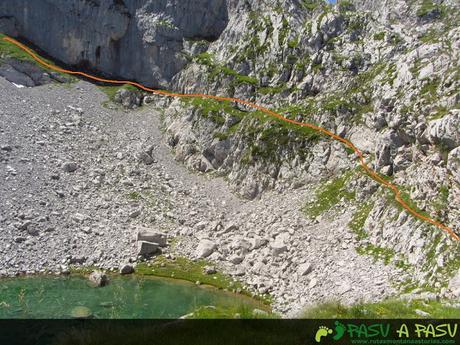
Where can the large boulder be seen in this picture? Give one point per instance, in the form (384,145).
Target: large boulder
(14,76)
(205,248)
(151,236)
(278,247)
(145,248)
(331,25)
(69,167)
(453,163)
(445,131)
(128,98)
(386,147)
(217,152)
(304,269)
(126,269)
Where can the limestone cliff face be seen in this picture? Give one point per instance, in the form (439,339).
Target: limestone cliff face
(138,40)
(384,74)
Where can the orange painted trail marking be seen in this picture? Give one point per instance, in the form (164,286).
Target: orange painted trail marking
(344,141)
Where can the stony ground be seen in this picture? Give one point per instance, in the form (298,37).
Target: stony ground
(79,179)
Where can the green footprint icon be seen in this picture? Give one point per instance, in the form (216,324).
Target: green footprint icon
(323,331)
(339,330)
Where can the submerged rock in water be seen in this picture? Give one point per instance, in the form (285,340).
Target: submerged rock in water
(98,279)
(126,269)
(81,312)
(106,304)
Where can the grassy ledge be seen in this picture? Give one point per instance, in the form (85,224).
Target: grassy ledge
(378,253)
(193,271)
(359,219)
(111,91)
(388,309)
(329,195)
(233,312)
(266,134)
(9,50)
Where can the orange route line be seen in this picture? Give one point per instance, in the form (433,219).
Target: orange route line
(374,175)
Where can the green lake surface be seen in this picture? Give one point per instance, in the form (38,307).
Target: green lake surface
(133,297)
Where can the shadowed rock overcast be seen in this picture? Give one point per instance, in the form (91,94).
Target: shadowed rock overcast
(281,208)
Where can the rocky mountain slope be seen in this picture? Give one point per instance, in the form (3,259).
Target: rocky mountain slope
(384,75)
(388,80)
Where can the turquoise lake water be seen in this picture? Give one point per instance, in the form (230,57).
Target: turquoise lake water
(132,297)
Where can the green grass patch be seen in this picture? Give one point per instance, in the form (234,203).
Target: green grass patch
(349,150)
(378,253)
(345,6)
(205,58)
(316,67)
(439,113)
(10,50)
(431,36)
(241,79)
(294,43)
(134,196)
(336,103)
(284,31)
(266,137)
(214,110)
(329,195)
(310,5)
(441,203)
(165,23)
(221,136)
(272,90)
(380,36)
(429,6)
(147,196)
(230,312)
(269,136)
(390,74)
(215,69)
(431,250)
(402,264)
(359,219)
(429,90)
(451,265)
(193,271)
(112,90)
(405,196)
(389,309)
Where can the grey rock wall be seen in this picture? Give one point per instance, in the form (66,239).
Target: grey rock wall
(139,40)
